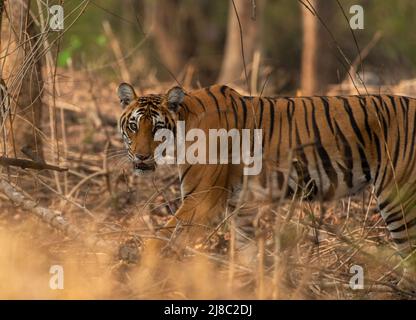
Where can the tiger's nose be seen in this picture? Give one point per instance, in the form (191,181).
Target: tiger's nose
(142,157)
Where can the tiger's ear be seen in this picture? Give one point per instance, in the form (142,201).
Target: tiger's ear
(175,97)
(126,94)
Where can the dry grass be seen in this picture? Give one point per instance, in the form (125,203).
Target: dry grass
(299,250)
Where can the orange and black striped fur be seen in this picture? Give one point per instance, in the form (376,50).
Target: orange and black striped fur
(320,147)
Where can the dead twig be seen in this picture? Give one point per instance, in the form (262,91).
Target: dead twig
(29,164)
(55,219)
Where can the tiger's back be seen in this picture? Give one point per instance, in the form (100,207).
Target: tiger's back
(338,144)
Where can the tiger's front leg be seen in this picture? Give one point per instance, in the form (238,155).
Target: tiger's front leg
(204,191)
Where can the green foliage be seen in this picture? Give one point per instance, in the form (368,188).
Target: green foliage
(282,33)
(67,53)
(101,40)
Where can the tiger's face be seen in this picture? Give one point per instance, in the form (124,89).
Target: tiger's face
(141,118)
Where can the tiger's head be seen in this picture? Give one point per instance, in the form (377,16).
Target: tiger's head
(141,118)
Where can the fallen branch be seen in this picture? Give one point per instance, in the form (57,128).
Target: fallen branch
(56,220)
(24,164)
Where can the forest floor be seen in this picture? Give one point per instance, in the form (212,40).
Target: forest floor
(300,250)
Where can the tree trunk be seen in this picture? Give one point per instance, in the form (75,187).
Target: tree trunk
(22,75)
(163,26)
(310,24)
(250,14)
(317,57)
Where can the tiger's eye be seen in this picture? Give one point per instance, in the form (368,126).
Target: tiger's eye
(133,127)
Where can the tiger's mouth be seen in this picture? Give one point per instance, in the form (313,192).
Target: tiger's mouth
(142,167)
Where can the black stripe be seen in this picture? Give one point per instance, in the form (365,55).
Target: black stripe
(306,118)
(235,111)
(190,191)
(271,107)
(383,204)
(408,171)
(327,114)
(403,240)
(279,142)
(184,174)
(223,90)
(304,176)
(405,205)
(405,226)
(155,113)
(393,104)
(412,145)
(261,122)
(331,190)
(403,209)
(290,109)
(397,150)
(226,120)
(243,104)
(406,123)
(200,102)
(380,116)
(280,176)
(261,112)
(353,123)
(326,161)
(367,125)
(280,179)
(364,163)
(378,150)
(394,217)
(208,90)
(382,182)
(300,150)
(184,106)
(384,106)
(123,122)
(348,176)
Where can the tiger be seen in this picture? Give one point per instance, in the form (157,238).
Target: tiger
(327,147)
